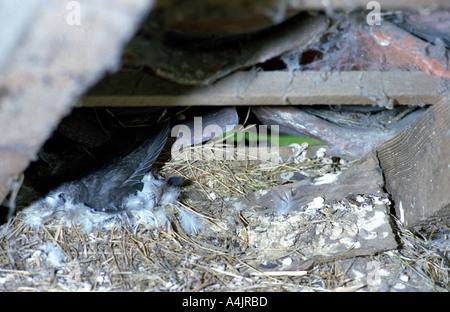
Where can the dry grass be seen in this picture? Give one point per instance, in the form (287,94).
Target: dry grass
(145,259)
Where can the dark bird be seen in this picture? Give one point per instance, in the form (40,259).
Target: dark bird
(108,188)
(123,190)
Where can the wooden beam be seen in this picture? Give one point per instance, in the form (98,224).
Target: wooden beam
(128,89)
(362,4)
(415,168)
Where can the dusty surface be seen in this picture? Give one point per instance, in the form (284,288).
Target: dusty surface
(230,249)
(47,62)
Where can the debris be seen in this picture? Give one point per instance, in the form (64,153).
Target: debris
(416,51)
(347,132)
(323,220)
(235,243)
(430,26)
(203,61)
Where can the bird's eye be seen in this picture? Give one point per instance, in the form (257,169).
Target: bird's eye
(62,196)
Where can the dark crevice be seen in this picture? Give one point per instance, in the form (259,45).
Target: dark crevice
(391,213)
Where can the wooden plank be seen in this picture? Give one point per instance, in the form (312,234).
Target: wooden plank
(47,61)
(272,88)
(416,168)
(362,4)
(326,4)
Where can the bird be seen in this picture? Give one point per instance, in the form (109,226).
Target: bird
(122,190)
(109,188)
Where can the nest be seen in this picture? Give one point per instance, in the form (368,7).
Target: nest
(217,257)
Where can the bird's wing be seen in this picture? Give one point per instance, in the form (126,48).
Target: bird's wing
(109,186)
(153,151)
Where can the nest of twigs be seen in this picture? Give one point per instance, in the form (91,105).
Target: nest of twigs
(216,258)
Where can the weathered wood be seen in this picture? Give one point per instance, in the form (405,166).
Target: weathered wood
(384,4)
(416,167)
(355,141)
(204,61)
(272,87)
(49,60)
(374,233)
(222,18)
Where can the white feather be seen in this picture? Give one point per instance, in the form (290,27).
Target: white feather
(285,201)
(169,196)
(52,254)
(189,222)
(146,207)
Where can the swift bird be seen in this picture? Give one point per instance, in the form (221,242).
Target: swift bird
(109,188)
(123,190)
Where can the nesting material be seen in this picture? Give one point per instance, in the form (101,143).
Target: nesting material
(328,214)
(336,215)
(321,231)
(218,242)
(149,207)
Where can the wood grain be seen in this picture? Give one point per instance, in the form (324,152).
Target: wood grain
(271,88)
(416,167)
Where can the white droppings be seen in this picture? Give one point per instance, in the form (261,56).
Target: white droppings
(358,274)
(327,178)
(348,242)
(336,231)
(286,175)
(92,237)
(381,200)
(103,278)
(286,262)
(298,152)
(399,286)
(371,224)
(316,203)
(384,272)
(402,212)
(369,235)
(320,153)
(319,228)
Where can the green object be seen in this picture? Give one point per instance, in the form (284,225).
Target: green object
(284,139)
